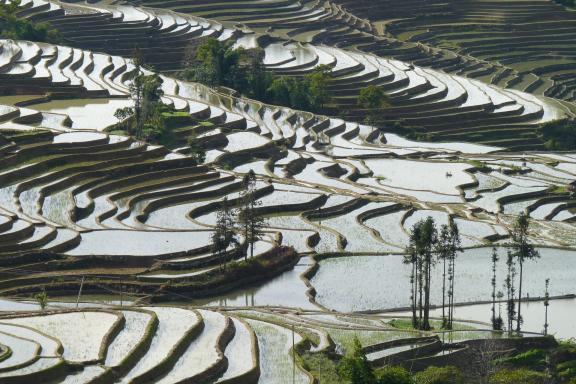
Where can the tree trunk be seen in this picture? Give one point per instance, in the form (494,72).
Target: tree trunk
(444,292)
(426,323)
(519,316)
(451,320)
(414,293)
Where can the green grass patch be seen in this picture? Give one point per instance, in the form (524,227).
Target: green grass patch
(322,367)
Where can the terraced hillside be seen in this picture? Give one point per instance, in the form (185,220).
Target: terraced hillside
(91,213)
(343,181)
(531,42)
(178,345)
(423,97)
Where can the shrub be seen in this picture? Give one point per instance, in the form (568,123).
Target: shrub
(524,376)
(394,375)
(559,134)
(531,358)
(439,375)
(355,368)
(42,299)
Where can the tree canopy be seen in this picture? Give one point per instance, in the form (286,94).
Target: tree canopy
(14,27)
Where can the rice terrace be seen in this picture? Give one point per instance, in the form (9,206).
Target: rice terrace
(288,191)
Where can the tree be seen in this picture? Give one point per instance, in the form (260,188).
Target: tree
(318,81)
(373,99)
(439,375)
(427,243)
(510,289)
(393,375)
(523,251)
(257,78)
(546,305)
(355,367)
(42,299)
(411,258)
(454,248)
(290,91)
(215,63)
(496,320)
(423,237)
(251,221)
(224,234)
(14,27)
(443,254)
(197,153)
(144,119)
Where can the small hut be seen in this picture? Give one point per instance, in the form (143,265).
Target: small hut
(572,187)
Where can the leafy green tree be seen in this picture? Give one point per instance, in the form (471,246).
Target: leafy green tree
(259,81)
(224,234)
(290,91)
(454,248)
(14,27)
(423,238)
(215,63)
(144,119)
(355,368)
(442,249)
(319,81)
(197,153)
(439,375)
(411,258)
(251,222)
(393,375)
(510,289)
(373,99)
(523,251)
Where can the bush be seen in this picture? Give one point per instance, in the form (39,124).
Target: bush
(439,375)
(394,375)
(524,376)
(559,134)
(533,357)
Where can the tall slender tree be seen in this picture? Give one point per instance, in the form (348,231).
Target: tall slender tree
(510,290)
(411,258)
(494,265)
(455,248)
(429,239)
(443,254)
(546,305)
(252,223)
(523,251)
(224,234)
(423,238)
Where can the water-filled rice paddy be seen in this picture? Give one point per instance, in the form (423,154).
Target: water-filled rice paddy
(358,283)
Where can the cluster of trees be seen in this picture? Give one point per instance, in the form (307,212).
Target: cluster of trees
(245,220)
(144,119)
(217,63)
(429,247)
(559,134)
(535,366)
(149,118)
(374,100)
(14,27)
(426,248)
(354,368)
